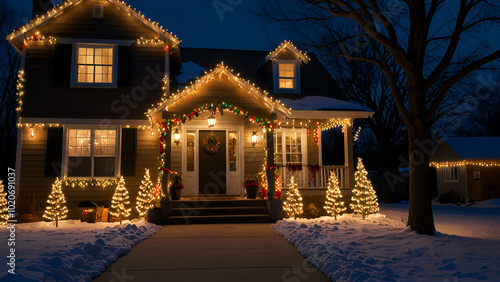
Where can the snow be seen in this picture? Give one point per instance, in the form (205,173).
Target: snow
(465,248)
(313,103)
(74,251)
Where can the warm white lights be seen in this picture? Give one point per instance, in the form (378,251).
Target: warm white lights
(255,138)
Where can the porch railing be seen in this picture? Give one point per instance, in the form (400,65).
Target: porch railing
(305,178)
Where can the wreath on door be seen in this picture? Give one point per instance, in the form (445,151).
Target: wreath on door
(211,144)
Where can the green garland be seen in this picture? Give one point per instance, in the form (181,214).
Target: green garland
(207,144)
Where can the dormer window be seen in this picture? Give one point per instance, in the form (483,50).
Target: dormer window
(94,66)
(286,76)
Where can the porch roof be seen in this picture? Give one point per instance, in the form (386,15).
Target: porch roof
(451,149)
(325,107)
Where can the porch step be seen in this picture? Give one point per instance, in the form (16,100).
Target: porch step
(201,211)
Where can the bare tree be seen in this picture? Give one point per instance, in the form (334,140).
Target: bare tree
(9,65)
(435,43)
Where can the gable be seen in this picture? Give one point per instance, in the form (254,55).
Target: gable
(288,51)
(217,86)
(73,19)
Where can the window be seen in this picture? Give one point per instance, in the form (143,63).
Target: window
(95,66)
(290,148)
(286,75)
(233,150)
(91,153)
(191,150)
(477,174)
(451,174)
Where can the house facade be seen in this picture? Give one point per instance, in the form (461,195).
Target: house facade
(103,91)
(468,166)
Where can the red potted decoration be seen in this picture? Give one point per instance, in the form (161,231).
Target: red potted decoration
(251,187)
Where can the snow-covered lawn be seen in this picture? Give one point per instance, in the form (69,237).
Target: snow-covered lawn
(466,246)
(74,251)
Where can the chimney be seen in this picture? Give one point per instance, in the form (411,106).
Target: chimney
(41,7)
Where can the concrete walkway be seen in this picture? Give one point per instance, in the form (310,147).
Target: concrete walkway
(215,252)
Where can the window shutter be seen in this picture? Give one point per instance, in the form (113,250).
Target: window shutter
(129,151)
(53,157)
(125,66)
(62,71)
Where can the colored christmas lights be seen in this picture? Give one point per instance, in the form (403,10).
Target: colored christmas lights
(120,201)
(56,210)
(145,197)
(334,205)
(364,200)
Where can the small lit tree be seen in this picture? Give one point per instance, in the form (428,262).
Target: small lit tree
(293,205)
(145,197)
(334,205)
(364,199)
(120,201)
(4,210)
(56,210)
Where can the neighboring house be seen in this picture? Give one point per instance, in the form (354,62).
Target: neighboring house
(100,85)
(469,166)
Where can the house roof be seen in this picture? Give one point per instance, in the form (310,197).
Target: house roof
(318,103)
(17,37)
(288,45)
(452,149)
(315,79)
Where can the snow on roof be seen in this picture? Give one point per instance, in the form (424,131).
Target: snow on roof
(475,147)
(320,103)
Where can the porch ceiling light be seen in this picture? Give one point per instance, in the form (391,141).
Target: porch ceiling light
(211,120)
(177,137)
(32,132)
(255,138)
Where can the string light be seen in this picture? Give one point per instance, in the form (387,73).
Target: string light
(82,183)
(37,37)
(39,20)
(56,210)
(20,90)
(337,122)
(293,206)
(465,163)
(356,135)
(334,205)
(220,70)
(145,197)
(364,200)
(154,41)
(4,210)
(288,45)
(120,201)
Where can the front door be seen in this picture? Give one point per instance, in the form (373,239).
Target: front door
(213,178)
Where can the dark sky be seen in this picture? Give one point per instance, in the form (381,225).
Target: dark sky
(198,24)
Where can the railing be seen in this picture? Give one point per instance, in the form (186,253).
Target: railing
(305,178)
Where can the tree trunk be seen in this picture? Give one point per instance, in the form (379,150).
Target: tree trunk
(420,218)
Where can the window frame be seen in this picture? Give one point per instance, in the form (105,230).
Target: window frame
(92,155)
(453,172)
(74,66)
(303,144)
(276,77)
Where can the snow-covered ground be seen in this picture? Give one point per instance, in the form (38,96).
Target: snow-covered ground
(465,248)
(74,251)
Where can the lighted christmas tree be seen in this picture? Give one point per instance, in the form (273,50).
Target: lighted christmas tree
(364,200)
(56,210)
(120,201)
(334,205)
(145,197)
(293,205)
(4,210)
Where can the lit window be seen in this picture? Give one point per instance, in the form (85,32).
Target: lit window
(286,76)
(451,174)
(233,150)
(191,150)
(290,148)
(94,65)
(91,153)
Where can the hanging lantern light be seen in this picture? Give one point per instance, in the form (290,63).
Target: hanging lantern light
(32,132)
(211,120)
(255,138)
(177,137)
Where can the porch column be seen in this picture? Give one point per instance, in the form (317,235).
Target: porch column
(349,157)
(167,159)
(271,186)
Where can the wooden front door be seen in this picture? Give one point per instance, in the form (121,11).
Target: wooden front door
(213,178)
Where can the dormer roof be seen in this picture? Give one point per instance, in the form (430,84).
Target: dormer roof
(287,46)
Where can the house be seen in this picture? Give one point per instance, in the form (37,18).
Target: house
(104,91)
(468,166)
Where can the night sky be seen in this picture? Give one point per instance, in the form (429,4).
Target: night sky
(197,23)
